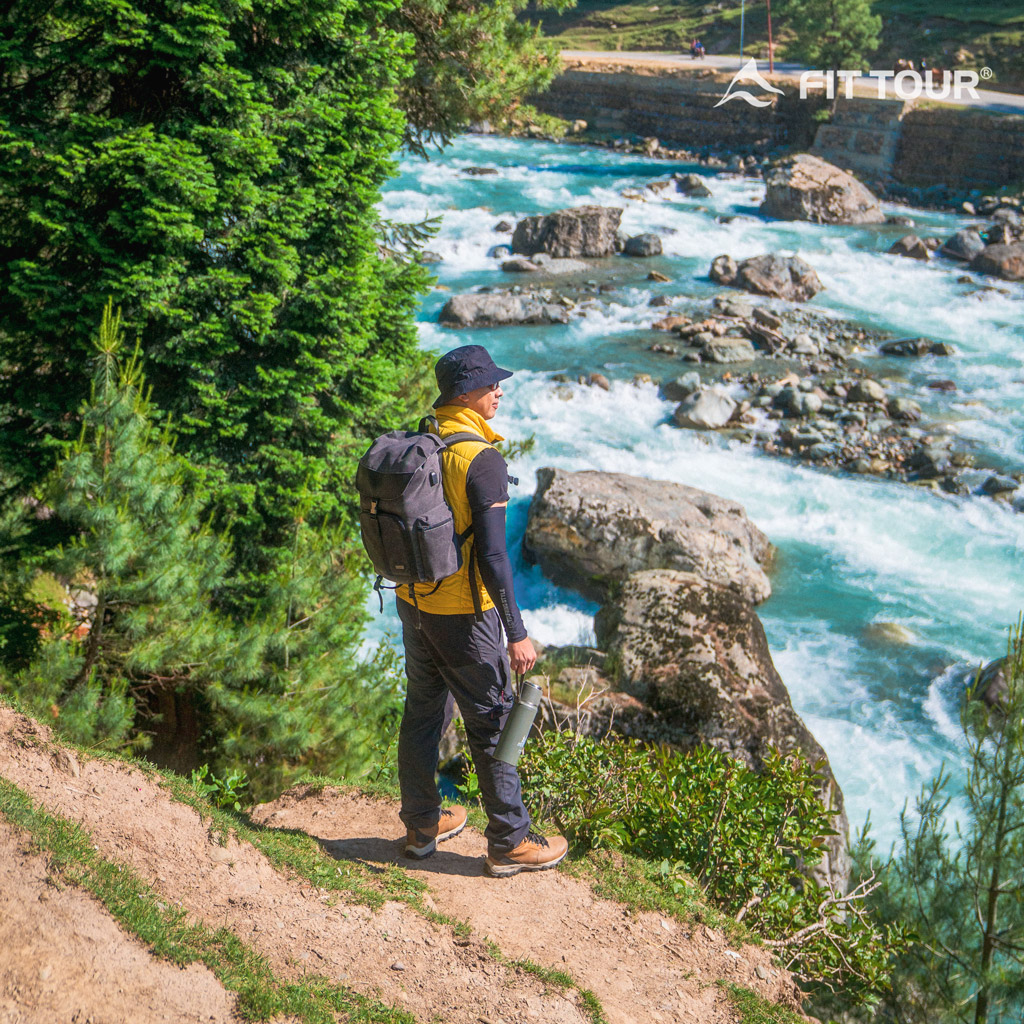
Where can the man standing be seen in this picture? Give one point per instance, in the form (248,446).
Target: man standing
(453,637)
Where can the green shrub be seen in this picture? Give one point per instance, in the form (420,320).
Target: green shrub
(746,837)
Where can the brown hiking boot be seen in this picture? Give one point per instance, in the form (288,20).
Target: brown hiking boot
(422,842)
(534,853)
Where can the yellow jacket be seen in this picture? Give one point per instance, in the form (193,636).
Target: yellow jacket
(454,596)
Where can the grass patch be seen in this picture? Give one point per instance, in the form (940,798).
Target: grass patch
(755,1010)
(553,977)
(170,935)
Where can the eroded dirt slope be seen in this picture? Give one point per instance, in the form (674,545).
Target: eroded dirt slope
(64,958)
(642,968)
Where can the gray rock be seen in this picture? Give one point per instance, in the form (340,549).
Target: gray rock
(964,245)
(804,345)
(806,187)
(728,350)
(503,226)
(866,390)
(912,247)
(682,387)
(499,309)
(767,318)
(783,277)
(1006,261)
(692,185)
(559,265)
(904,409)
(696,652)
(499,252)
(929,461)
(589,530)
(915,347)
(706,410)
(519,265)
(582,231)
(739,308)
(999,484)
(822,451)
(643,245)
(723,270)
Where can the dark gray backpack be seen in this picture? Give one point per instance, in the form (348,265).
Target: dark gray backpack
(407,526)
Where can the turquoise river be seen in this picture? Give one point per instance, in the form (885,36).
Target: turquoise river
(854,552)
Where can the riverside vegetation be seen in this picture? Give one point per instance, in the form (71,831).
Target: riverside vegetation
(178,572)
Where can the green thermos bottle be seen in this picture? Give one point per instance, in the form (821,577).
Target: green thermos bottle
(518,724)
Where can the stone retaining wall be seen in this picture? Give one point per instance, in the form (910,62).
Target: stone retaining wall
(877,139)
(677,110)
(960,148)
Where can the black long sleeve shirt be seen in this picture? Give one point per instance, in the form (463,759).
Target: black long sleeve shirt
(487,486)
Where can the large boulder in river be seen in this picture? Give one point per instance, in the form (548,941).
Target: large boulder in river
(783,277)
(499,309)
(583,231)
(705,409)
(696,652)
(590,529)
(1006,261)
(806,187)
(964,245)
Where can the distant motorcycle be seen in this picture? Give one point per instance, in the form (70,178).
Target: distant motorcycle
(697,51)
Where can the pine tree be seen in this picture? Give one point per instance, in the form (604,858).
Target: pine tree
(156,666)
(132,511)
(831,34)
(215,169)
(962,892)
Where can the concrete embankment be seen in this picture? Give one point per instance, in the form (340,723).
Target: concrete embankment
(882,140)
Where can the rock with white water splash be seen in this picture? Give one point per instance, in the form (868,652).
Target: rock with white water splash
(499,309)
(708,409)
(582,231)
(783,277)
(1005,261)
(647,244)
(588,530)
(692,185)
(805,187)
(964,245)
(912,247)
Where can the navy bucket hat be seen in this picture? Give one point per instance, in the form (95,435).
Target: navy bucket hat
(465,369)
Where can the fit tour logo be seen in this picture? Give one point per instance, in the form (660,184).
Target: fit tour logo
(748,75)
(904,85)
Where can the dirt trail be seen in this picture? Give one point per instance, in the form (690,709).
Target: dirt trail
(64,958)
(393,954)
(642,968)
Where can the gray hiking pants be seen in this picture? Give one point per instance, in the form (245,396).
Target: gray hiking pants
(446,657)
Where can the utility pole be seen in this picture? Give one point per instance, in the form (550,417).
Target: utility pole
(743,4)
(771,52)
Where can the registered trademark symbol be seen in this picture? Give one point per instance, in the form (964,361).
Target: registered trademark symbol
(987,73)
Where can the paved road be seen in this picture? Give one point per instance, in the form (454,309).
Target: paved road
(997,102)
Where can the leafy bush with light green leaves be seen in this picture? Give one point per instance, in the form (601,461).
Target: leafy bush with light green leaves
(221,792)
(745,836)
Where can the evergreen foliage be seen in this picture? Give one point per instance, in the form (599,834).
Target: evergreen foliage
(156,665)
(475,60)
(831,34)
(214,168)
(962,890)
